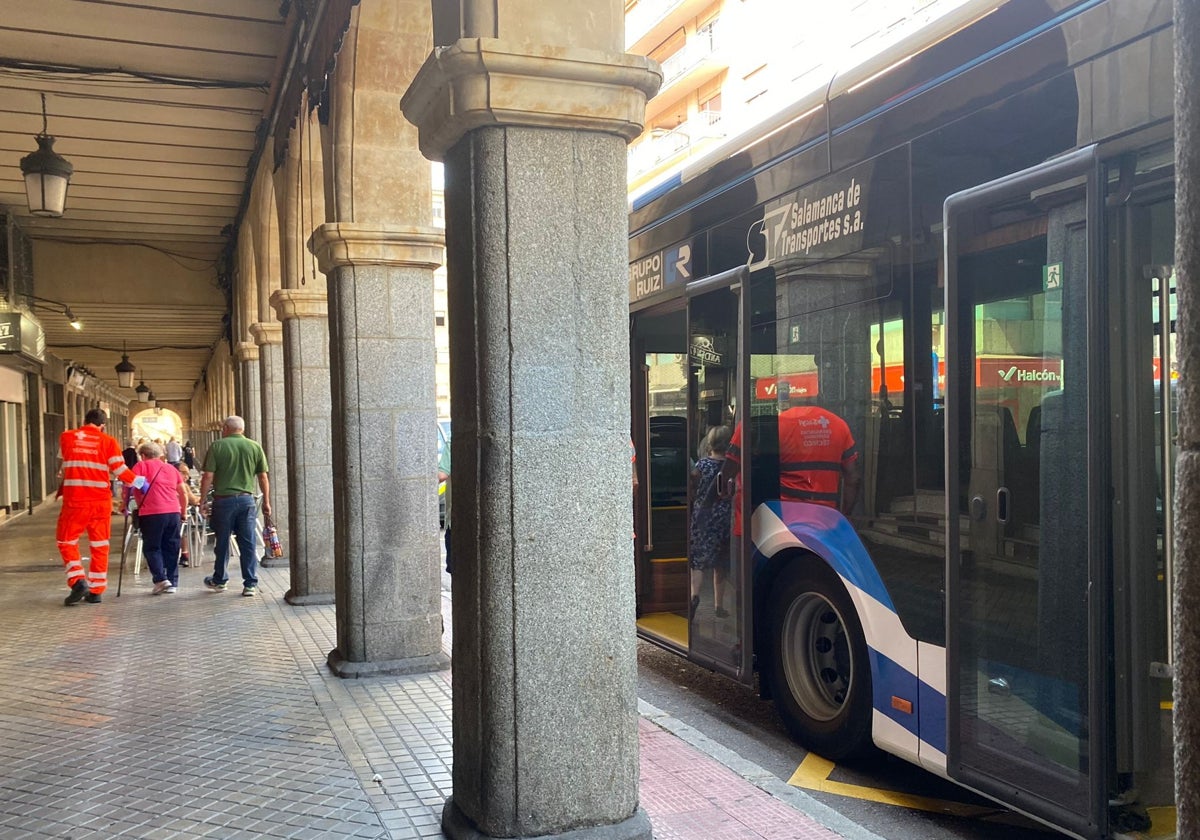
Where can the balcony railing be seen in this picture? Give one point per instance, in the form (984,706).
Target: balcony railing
(699,48)
(661,146)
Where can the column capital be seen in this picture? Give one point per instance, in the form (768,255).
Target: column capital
(245,351)
(299,303)
(478,82)
(267,332)
(338,244)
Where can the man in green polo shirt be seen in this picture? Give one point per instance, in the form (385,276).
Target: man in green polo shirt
(232,467)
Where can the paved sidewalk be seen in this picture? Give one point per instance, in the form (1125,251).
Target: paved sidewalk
(210,715)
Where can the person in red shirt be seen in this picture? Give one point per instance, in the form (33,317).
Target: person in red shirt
(89,458)
(818,459)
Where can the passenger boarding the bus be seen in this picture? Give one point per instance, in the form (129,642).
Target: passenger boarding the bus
(708,538)
(818,458)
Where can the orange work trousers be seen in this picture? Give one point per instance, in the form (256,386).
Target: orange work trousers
(94,517)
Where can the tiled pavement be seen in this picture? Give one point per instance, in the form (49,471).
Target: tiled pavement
(210,715)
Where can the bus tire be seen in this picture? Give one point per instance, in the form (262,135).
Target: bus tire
(819,669)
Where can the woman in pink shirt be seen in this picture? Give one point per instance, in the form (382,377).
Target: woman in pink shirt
(161,505)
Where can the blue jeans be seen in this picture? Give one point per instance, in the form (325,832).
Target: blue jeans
(160,544)
(235,516)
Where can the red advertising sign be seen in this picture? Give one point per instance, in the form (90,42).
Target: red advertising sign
(1018,372)
(799,385)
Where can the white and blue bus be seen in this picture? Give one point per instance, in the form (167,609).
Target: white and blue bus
(964,251)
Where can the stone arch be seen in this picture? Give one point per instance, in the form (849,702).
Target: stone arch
(157,424)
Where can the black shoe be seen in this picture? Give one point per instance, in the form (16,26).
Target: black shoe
(721,612)
(92,598)
(78,590)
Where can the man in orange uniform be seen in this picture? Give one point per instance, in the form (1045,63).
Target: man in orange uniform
(89,457)
(818,459)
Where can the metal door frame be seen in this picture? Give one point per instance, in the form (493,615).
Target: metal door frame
(1083,165)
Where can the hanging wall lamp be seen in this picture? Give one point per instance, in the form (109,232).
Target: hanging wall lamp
(143,393)
(47,174)
(54,305)
(125,370)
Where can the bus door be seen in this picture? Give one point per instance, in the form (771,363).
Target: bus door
(718,584)
(660,437)
(1027,594)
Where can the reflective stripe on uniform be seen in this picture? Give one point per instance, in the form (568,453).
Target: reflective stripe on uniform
(69,542)
(83,482)
(91,465)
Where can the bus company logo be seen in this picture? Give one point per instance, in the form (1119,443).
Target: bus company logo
(1017,374)
(646,276)
(806,223)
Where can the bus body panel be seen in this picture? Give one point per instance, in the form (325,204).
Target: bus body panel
(781,526)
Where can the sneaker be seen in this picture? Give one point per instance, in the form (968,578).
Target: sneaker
(92,598)
(213,585)
(161,587)
(78,590)
(184,561)
(171,589)
(249,591)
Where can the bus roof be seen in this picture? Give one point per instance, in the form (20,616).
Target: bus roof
(842,81)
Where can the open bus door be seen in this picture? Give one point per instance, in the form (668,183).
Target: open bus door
(719,614)
(686,354)
(1028,594)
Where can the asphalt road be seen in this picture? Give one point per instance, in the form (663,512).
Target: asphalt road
(734,717)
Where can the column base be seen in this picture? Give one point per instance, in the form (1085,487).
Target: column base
(342,667)
(458,826)
(317,600)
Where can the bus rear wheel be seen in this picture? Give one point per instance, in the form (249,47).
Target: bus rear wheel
(820,674)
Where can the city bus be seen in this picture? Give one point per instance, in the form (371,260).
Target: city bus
(948,273)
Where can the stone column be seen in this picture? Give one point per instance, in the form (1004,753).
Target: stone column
(250,385)
(389,617)
(378,259)
(309,443)
(273,436)
(534,137)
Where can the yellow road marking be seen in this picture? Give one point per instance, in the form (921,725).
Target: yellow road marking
(1162,824)
(813,774)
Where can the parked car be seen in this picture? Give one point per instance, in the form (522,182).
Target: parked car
(443,440)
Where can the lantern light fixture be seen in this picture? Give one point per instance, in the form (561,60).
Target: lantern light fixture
(125,371)
(143,393)
(47,174)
